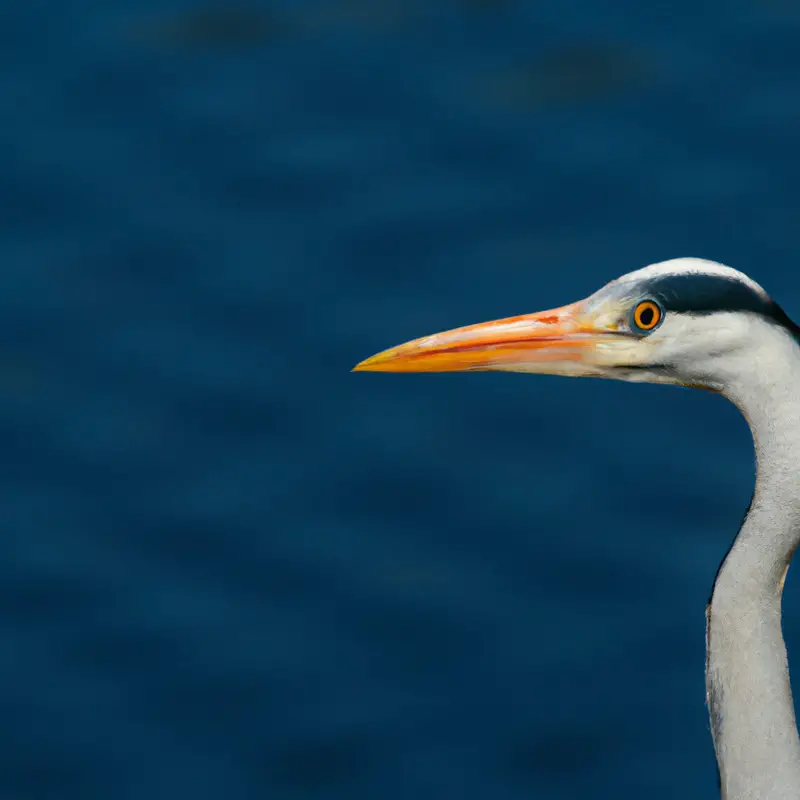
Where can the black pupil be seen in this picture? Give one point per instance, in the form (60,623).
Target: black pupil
(647,316)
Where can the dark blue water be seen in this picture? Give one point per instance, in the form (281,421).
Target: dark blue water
(230,567)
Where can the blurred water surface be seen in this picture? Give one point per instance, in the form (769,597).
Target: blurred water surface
(229,567)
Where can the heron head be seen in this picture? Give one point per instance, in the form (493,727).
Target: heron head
(686,321)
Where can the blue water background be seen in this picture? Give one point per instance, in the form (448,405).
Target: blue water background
(229,568)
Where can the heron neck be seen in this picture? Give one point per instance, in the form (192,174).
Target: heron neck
(747,677)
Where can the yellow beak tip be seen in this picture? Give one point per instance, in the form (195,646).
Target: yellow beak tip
(385,361)
(368,364)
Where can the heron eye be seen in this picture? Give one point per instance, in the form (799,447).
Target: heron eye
(647,315)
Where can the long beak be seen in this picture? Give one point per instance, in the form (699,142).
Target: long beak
(562,341)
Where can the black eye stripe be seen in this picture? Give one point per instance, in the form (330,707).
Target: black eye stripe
(704,294)
(697,293)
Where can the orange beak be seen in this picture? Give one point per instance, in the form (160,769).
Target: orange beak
(562,341)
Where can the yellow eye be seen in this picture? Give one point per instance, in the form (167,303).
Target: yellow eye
(647,315)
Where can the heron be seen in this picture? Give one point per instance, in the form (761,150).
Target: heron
(701,324)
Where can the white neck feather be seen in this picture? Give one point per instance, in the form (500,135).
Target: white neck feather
(747,678)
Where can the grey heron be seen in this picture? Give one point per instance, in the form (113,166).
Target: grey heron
(697,323)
